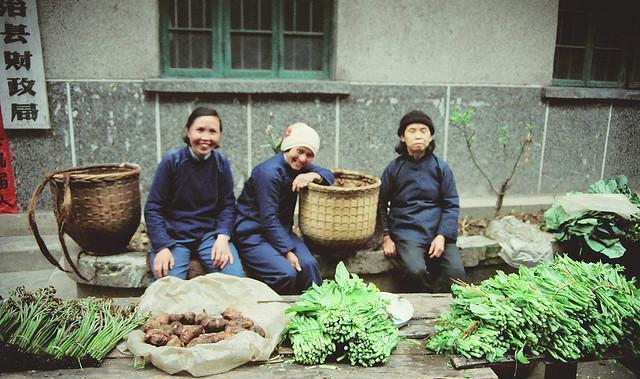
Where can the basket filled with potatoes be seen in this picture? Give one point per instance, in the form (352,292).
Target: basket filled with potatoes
(189,329)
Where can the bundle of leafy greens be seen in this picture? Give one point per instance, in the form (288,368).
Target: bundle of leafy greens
(345,318)
(41,324)
(601,232)
(563,309)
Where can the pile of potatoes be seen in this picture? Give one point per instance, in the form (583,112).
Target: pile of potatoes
(188,329)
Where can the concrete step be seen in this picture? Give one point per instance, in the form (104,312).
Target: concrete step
(484,206)
(30,279)
(21,253)
(18,224)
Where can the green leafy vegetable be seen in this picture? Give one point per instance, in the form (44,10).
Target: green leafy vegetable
(345,318)
(564,309)
(39,323)
(601,232)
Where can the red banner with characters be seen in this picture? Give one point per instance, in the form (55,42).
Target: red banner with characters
(8,202)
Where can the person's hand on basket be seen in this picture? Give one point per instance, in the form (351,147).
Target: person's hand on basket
(303,180)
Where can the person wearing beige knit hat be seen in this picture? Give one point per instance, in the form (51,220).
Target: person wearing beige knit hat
(268,248)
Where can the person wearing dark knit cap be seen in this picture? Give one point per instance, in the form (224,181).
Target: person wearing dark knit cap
(419,209)
(269,249)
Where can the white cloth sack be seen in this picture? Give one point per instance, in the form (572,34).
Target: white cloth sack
(521,243)
(213,293)
(604,202)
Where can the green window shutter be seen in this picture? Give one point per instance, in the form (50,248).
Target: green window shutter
(249,38)
(594,44)
(246,38)
(190,38)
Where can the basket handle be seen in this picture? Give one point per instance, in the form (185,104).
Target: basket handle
(36,233)
(34,226)
(65,212)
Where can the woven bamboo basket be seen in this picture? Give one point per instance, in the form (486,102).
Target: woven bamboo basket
(98,206)
(340,218)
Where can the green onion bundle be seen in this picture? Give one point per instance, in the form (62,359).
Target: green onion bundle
(565,309)
(345,318)
(39,323)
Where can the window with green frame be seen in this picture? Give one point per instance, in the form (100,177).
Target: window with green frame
(246,38)
(598,44)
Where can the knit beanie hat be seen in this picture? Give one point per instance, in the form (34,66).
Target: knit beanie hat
(415,117)
(300,134)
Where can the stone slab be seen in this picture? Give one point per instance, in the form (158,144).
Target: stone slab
(477,274)
(362,262)
(125,270)
(251,86)
(475,250)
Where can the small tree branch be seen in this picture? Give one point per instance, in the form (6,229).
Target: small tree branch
(507,183)
(475,162)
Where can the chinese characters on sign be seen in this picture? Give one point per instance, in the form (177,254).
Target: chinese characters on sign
(22,84)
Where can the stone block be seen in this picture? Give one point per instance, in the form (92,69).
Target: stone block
(126,270)
(477,274)
(362,262)
(386,282)
(474,250)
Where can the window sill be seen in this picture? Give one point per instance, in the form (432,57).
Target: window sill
(590,93)
(238,86)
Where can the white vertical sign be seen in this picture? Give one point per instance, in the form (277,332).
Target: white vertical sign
(23,90)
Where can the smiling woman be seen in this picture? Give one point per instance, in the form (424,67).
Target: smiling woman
(269,249)
(191,205)
(204,135)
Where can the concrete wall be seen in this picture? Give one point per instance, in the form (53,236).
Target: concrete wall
(453,41)
(577,142)
(381,41)
(100,39)
(98,53)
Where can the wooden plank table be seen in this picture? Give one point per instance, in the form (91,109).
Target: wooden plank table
(549,368)
(409,360)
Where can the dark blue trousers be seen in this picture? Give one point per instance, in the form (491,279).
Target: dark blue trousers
(424,274)
(262,262)
(183,250)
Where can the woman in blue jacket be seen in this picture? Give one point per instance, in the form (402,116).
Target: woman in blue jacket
(269,250)
(419,209)
(191,206)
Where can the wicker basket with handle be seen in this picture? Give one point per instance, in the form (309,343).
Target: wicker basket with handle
(98,206)
(340,217)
